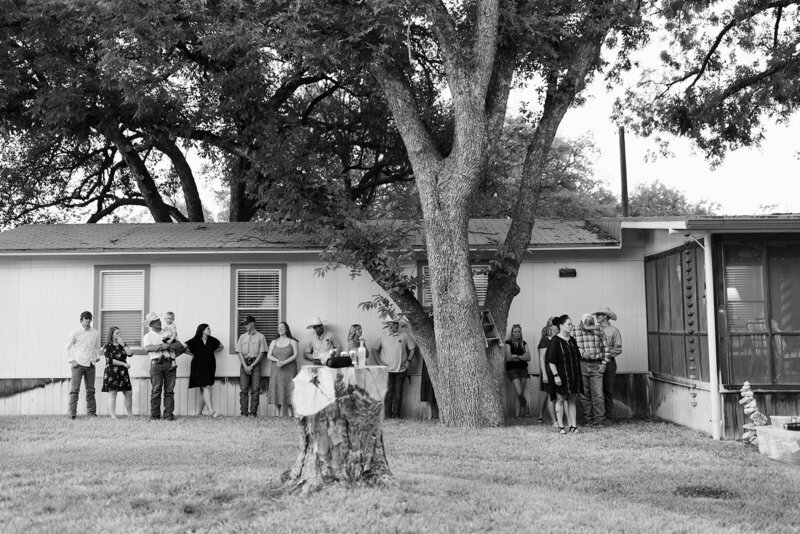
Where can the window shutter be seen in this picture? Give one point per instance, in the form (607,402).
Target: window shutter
(258,293)
(480,277)
(122,304)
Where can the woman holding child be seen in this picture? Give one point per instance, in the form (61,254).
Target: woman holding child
(204,364)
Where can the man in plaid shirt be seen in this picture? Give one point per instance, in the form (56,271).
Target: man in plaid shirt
(594,356)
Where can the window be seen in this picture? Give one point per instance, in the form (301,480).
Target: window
(257,291)
(480,276)
(761,292)
(121,301)
(677,332)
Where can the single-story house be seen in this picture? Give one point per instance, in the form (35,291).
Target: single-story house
(217,273)
(650,271)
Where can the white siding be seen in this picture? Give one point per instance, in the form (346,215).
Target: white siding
(618,284)
(41,303)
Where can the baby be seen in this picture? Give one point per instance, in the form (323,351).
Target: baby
(169,334)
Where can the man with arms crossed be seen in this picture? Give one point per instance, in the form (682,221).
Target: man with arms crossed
(396,349)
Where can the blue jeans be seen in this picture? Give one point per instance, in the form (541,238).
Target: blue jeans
(250,389)
(594,409)
(394,394)
(88,374)
(608,386)
(162,375)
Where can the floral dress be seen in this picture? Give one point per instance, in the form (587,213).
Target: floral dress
(115,377)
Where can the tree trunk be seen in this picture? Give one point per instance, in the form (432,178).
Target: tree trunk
(242,208)
(194,206)
(467,393)
(341,417)
(147,186)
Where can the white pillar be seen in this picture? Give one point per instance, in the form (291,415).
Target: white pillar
(711,315)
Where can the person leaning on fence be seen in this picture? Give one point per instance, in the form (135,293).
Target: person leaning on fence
(83,351)
(115,377)
(251,347)
(163,369)
(614,343)
(394,350)
(592,344)
(548,332)
(517,358)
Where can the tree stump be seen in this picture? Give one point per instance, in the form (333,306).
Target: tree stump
(340,413)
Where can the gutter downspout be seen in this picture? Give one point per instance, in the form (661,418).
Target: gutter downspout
(711,315)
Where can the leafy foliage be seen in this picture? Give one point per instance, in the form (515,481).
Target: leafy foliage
(728,68)
(655,198)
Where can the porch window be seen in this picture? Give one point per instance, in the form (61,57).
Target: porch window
(677,331)
(762,312)
(121,301)
(257,291)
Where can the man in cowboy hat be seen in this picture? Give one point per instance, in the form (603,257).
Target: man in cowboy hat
(594,357)
(614,349)
(163,369)
(250,347)
(83,349)
(322,342)
(394,350)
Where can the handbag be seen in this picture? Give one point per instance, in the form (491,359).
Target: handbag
(339,361)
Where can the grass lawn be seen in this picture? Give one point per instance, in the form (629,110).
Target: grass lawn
(204,475)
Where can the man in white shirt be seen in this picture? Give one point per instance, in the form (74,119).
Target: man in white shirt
(321,343)
(394,350)
(163,369)
(83,351)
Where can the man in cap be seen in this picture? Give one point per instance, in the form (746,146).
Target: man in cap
(163,369)
(592,345)
(394,350)
(251,347)
(614,344)
(319,347)
(83,351)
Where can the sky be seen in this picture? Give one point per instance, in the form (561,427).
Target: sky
(747,180)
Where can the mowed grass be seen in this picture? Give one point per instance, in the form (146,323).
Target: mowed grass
(203,475)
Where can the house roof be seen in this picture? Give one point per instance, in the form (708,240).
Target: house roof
(256,236)
(718,224)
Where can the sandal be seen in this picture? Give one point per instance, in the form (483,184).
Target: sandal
(573,430)
(540,420)
(216,415)
(561,430)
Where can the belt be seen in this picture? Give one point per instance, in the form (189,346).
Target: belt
(599,360)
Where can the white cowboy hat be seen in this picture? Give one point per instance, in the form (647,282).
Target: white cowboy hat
(150,317)
(314,322)
(607,311)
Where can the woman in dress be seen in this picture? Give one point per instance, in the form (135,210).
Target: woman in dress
(517,358)
(115,376)
(563,360)
(282,353)
(548,332)
(204,365)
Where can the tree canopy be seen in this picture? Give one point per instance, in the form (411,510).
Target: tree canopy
(729,68)
(655,198)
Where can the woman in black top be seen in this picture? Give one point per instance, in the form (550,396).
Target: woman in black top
(517,358)
(544,383)
(204,364)
(563,360)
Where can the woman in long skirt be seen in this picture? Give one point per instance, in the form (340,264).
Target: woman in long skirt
(282,353)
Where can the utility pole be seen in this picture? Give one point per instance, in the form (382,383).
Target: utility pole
(623,167)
